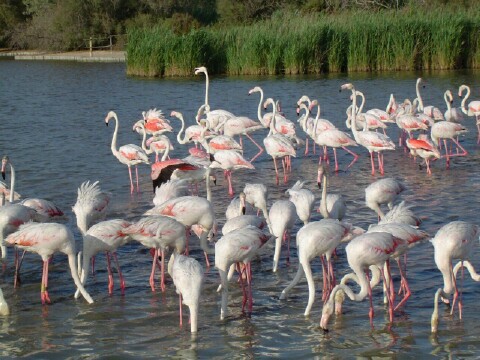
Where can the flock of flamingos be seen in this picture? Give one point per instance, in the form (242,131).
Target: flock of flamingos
(31,224)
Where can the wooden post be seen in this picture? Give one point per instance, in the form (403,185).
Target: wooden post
(90,45)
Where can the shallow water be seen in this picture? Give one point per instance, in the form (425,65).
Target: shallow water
(53,130)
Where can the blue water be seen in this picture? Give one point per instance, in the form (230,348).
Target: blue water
(52,127)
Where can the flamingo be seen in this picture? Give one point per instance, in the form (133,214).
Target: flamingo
(277,145)
(431,111)
(229,160)
(45,239)
(192,133)
(452,114)
(157,143)
(383,191)
(188,278)
(190,211)
(282,215)
(242,221)
(401,213)
(408,122)
(257,195)
(238,246)
(158,232)
(12,215)
(5,191)
(454,240)
(473,108)
(362,252)
(105,236)
(130,154)
(425,148)
(332,206)
(304,200)
(444,130)
(215,117)
(318,238)
(374,142)
(46,209)
(154,123)
(334,138)
(218,142)
(373,121)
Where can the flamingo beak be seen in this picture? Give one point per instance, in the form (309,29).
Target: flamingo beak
(3,175)
(243,210)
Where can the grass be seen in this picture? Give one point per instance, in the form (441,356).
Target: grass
(293,44)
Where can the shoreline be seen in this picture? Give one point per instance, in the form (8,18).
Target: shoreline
(81,56)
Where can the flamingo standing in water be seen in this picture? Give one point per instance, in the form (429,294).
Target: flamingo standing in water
(105,236)
(45,239)
(473,108)
(332,206)
(373,141)
(362,252)
(229,160)
(238,247)
(159,233)
(425,148)
(304,200)
(282,216)
(278,145)
(130,154)
(430,110)
(188,278)
(154,123)
(444,130)
(454,240)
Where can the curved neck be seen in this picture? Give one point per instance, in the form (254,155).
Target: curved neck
(144,140)
(464,100)
(12,183)
(207,82)
(323,203)
(113,146)
(259,110)
(304,120)
(182,129)
(272,122)
(359,93)
(315,122)
(420,100)
(353,121)
(447,101)
(362,294)
(207,181)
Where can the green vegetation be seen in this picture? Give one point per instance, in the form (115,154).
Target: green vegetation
(171,37)
(292,44)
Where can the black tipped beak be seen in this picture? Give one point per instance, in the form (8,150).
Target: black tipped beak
(340,90)
(3,175)
(106,123)
(243,210)
(215,182)
(325,330)
(319,185)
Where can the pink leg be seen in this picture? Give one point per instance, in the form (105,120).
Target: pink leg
(18,264)
(372,162)
(46,298)
(355,156)
(162,279)
(306,146)
(371,312)
(152,273)
(405,283)
(447,155)
(93,265)
(206,259)
(258,146)
(241,268)
(180,308)
(429,171)
(249,283)
(136,178)
(335,155)
(120,275)
(110,274)
(325,292)
(284,170)
(276,169)
(464,153)
(388,293)
(132,188)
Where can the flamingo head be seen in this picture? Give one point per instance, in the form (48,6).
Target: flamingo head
(110,115)
(348,86)
(176,114)
(255,89)
(313,104)
(243,206)
(201,69)
(326,313)
(320,173)
(4,165)
(267,102)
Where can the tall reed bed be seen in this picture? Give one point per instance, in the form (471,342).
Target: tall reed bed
(293,44)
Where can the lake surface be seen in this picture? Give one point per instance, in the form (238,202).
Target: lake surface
(52,127)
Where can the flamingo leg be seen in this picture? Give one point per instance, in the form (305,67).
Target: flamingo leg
(284,170)
(249,283)
(152,273)
(372,162)
(405,285)
(355,156)
(230,187)
(180,308)
(18,264)
(162,279)
(136,178)
(110,274)
(276,169)
(44,290)
(258,146)
(447,155)
(335,156)
(325,279)
(388,292)
(120,275)
(241,271)
(464,153)
(371,312)
(131,180)
(306,146)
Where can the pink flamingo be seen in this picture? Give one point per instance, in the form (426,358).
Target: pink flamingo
(157,144)
(278,145)
(188,278)
(383,191)
(192,133)
(105,236)
(238,247)
(158,232)
(229,160)
(304,200)
(423,147)
(431,111)
(362,252)
(154,122)
(46,209)
(454,240)
(447,130)
(473,108)
(193,212)
(130,154)
(318,238)
(374,142)
(332,206)
(282,215)
(45,239)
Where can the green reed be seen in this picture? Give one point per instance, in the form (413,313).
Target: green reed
(294,44)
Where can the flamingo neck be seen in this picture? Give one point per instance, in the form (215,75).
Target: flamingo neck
(76,279)
(12,183)
(417,90)
(315,122)
(273,121)
(464,100)
(444,264)
(323,203)
(363,101)
(207,83)
(353,120)
(144,140)
(113,146)
(447,101)
(182,129)
(207,181)
(259,110)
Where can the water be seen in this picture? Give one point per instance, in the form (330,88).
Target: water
(52,117)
